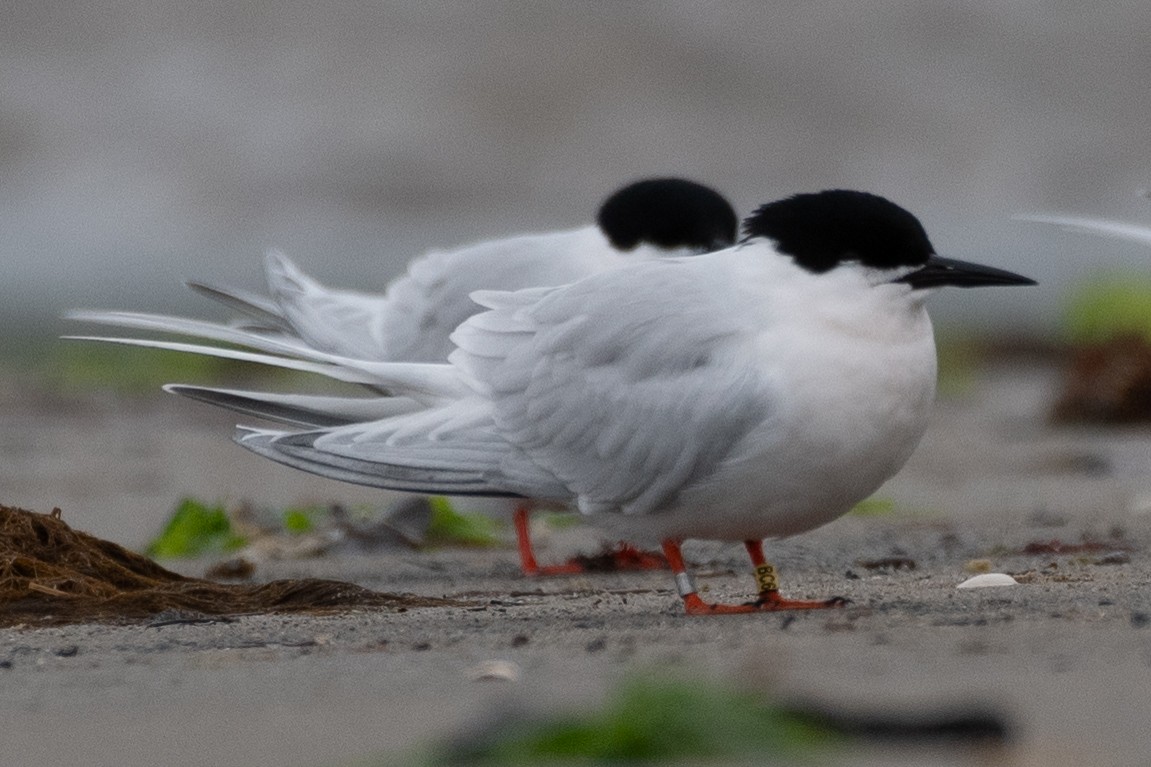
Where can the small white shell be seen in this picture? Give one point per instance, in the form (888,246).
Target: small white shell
(988,579)
(495,670)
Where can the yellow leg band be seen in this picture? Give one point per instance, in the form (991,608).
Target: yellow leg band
(765,578)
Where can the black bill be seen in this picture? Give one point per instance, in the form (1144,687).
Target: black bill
(939,272)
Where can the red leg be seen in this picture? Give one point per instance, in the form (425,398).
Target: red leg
(766,579)
(628,557)
(524,540)
(528,562)
(769,599)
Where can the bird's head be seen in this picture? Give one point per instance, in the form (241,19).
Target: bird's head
(669,213)
(841,228)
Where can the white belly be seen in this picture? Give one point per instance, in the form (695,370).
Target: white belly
(844,421)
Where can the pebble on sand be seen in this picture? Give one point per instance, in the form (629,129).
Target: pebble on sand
(988,579)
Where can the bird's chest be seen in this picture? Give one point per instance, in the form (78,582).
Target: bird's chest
(844,417)
(855,415)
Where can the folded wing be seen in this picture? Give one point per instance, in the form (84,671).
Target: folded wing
(571,385)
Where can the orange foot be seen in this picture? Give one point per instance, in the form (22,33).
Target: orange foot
(623,557)
(767,602)
(765,577)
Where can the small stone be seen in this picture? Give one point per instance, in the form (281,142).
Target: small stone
(5,664)
(495,671)
(977,566)
(987,580)
(67,651)
(519,640)
(596,645)
(236,568)
(1140,620)
(888,563)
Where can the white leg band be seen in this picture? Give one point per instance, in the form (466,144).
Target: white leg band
(684,584)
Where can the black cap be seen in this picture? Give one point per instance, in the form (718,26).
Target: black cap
(669,213)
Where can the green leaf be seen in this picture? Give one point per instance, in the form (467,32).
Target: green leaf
(193,530)
(298,520)
(450,527)
(1108,306)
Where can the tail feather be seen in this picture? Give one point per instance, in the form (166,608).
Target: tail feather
(207,331)
(309,411)
(260,308)
(425,382)
(284,277)
(330,371)
(338,321)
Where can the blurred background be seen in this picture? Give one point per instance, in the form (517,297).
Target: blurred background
(143,142)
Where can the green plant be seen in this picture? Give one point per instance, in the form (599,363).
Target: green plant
(194,529)
(657,721)
(450,527)
(1109,305)
(298,520)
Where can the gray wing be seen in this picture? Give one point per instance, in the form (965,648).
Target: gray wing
(413,319)
(434,297)
(600,392)
(298,451)
(624,395)
(452,450)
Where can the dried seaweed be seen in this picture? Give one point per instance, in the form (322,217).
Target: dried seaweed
(51,574)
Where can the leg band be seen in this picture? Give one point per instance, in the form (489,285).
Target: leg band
(684,584)
(765,577)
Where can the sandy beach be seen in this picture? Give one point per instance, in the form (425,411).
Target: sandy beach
(1065,656)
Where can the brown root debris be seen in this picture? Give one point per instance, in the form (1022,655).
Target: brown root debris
(51,574)
(1107,382)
